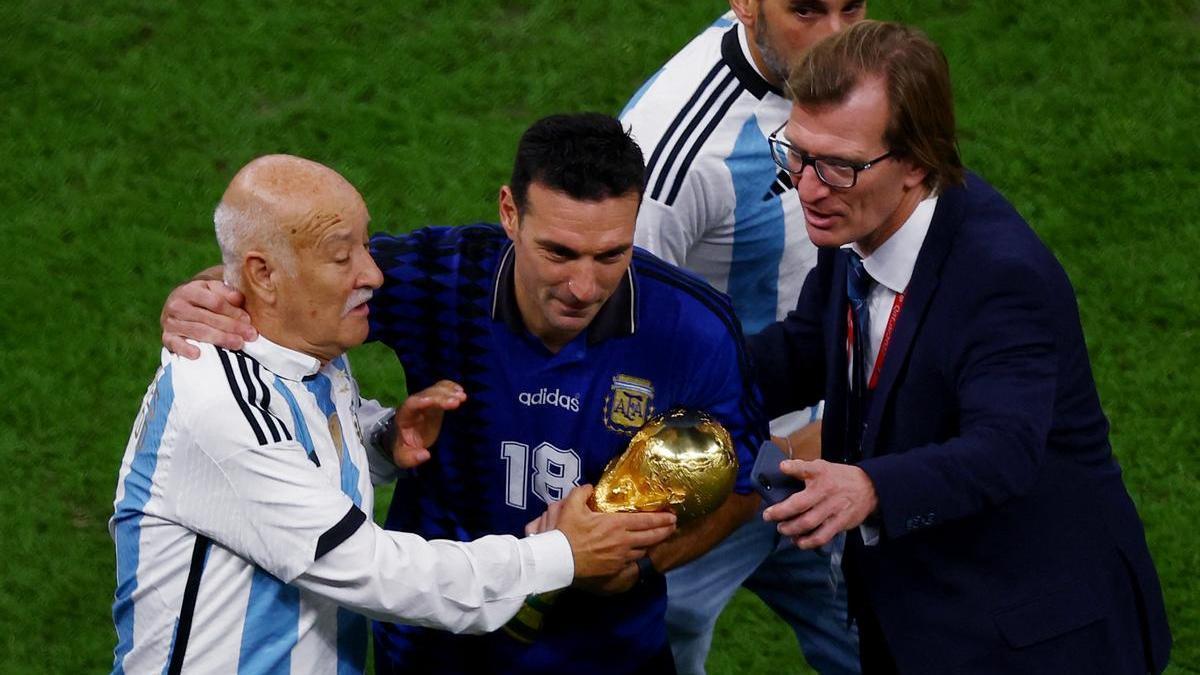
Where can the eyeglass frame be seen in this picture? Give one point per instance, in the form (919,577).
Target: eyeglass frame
(774,140)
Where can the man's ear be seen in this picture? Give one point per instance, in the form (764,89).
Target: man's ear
(746,11)
(510,218)
(914,175)
(258,275)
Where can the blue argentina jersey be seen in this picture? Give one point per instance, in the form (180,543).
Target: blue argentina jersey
(536,424)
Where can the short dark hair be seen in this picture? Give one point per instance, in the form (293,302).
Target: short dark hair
(921,121)
(588,156)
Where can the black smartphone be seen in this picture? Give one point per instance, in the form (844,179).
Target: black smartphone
(772,484)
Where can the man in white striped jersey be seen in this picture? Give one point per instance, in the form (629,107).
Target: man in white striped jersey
(717,204)
(241,527)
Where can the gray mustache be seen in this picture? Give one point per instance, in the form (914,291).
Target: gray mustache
(357,298)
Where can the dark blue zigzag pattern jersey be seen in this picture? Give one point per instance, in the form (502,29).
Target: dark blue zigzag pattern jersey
(535,424)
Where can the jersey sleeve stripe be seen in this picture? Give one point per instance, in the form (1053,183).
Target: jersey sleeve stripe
(254,398)
(184,628)
(686,136)
(266,399)
(237,396)
(340,532)
(652,163)
(699,142)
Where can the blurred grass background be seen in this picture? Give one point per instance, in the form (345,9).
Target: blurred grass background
(122,123)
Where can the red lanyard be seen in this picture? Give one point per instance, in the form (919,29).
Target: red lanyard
(886,342)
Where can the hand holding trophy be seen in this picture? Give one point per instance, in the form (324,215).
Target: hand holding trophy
(680,461)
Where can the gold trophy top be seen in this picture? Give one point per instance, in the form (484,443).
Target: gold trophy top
(680,461)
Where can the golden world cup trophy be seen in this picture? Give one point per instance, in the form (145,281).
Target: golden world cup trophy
(680,461)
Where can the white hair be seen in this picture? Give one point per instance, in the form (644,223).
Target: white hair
(240,230)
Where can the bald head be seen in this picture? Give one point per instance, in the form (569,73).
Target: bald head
(294,239)
(275,204)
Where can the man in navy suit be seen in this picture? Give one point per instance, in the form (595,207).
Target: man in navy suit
(966,452)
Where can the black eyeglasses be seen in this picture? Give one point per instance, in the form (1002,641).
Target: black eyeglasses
(836,173)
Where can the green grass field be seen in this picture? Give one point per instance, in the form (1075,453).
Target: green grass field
(123,122)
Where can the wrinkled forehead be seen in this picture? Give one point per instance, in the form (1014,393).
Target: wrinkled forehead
(328,219)
(304,199)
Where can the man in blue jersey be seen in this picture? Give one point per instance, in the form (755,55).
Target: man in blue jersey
(566,339)
(716,204)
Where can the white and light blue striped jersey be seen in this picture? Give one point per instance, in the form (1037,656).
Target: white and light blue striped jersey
(715,202)
(243,544)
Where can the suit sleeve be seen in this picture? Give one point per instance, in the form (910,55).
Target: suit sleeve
(1005,371)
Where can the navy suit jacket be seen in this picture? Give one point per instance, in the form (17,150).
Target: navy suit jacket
(1008,541)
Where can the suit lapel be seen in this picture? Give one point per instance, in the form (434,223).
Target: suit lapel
(925,278)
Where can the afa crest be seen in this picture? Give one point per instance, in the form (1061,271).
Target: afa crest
(335,433)
(629,403)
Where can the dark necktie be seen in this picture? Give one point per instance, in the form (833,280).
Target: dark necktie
(858,286)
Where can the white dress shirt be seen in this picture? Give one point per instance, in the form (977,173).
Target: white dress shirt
(891,266)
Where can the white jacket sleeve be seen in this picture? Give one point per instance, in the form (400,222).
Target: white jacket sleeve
(470,587)
(273,506)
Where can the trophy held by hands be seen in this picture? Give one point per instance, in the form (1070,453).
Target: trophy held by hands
(680,461)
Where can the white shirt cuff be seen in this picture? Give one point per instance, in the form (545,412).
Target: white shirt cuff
(553,562)
(870,534)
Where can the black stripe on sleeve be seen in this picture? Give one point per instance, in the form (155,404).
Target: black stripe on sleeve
(340,532)
(679,118)
(188,609)
(237,395)
(253,398)
(699,143)
(686,137)
(266,401)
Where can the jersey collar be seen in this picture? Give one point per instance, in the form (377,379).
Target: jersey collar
(735,51)
(617,318)
(284,362)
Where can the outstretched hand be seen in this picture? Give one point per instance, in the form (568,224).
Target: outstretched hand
(206,311)
(419,421)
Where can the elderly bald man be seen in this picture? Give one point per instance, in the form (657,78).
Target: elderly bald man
(241,527)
